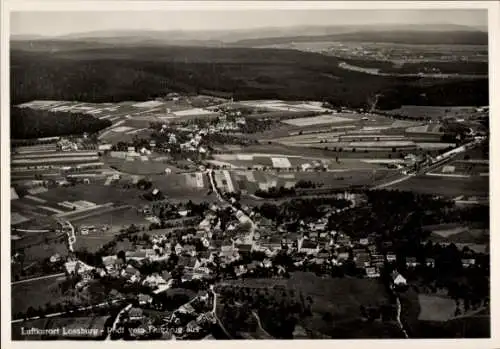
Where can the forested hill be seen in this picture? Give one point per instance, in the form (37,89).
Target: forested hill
(28,123)
(396,37)
(145,72)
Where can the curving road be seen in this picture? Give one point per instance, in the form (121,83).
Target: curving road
(221,199)
(398,318)
(117,319)
(37,278)
(69,229)
(451,156)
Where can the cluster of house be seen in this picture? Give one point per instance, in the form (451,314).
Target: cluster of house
(66,145)
(192,319)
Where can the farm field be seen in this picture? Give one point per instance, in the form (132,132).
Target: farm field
(430,128)
(445,230)
(116,219)
(250,181)
(468,327)
(32,209)
(137,166)
(137,129)
(38,222)
(96,193)
(446,186)
(339,297)
(326,119)
(323,151)
(465,168)
(36,294)
(435,112)
(435,308)
(44,250)
(429,146)
(245,160)
(476,237)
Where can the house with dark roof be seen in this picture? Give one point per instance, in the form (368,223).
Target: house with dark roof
(135,314)
(468,262)
(430,262)
(130,271)
(136,255)
(205,256)
(144,299)
(364,241)
(166,275)
(324,235)
(244,248)
(319,261)
(216,244)
(273,243)
(189,250)
(362,259)
(377,260)
(323,253)
(253,265)
(390,257)
(240,270)
(342,254)
(307,246)
(343,240)
(372,272)
(313,235)
(411,262)
(387,244)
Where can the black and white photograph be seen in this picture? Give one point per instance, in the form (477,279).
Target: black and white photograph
(238,174)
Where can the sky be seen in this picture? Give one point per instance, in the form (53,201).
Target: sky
(62,23)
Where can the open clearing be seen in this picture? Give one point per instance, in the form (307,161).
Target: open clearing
(318,120)
(446,186)
(434,308)
(45,250)
(448,231)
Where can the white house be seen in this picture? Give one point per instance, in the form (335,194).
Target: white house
(390,257)
(468,262)
(178,249)
(398,279)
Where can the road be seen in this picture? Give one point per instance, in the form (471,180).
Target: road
(398,317)
(69,229)
(452,155)
(67,312)
(214,311)
(37,278)
(117,319)
(388,184)
(260,325)
(251,235)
